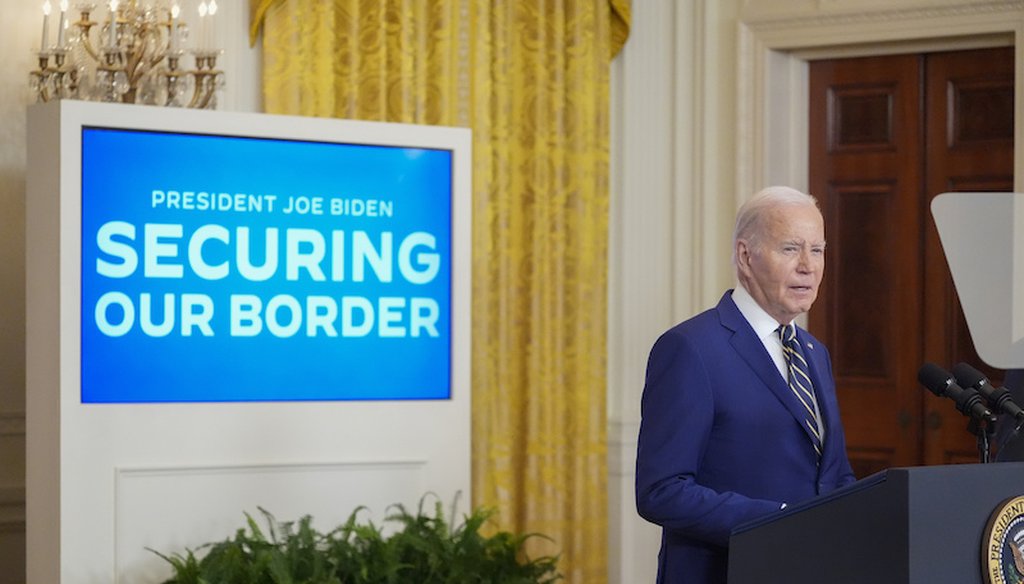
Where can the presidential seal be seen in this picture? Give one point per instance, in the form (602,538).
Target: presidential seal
(1002,554)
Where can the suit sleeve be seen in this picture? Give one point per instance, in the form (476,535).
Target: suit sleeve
(677,419)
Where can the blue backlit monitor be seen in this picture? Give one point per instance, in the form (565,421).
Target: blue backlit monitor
(234,266)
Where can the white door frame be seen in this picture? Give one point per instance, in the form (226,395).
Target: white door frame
(772,93)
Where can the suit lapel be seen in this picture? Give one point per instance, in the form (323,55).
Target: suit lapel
(751,350)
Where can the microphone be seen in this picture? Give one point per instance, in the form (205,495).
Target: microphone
(941,383)
(997,397)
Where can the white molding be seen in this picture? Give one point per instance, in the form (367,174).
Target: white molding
(633,542)
(181,470)
(750,114)
(910,46)
(643,202)
(622,441)
(689,172)
(700,263)
(857,16)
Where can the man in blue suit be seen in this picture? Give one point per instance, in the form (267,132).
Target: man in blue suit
(736,423)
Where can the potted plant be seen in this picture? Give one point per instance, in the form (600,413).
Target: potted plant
(423,549)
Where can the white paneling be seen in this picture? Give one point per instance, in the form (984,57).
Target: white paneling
(787,99)
(240,62)
(707,267)
(633,542)
(643,202)
(646,165)
(171,509)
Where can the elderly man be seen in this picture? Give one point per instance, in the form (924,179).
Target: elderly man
(739,411)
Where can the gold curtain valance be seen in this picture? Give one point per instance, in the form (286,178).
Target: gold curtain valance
(257,10)
(621,18)
(620,10)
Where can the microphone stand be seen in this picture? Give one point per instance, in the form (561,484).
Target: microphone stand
(983,430)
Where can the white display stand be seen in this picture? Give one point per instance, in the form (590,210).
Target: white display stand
(105,481)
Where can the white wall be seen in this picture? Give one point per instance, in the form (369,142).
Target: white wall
(16,38)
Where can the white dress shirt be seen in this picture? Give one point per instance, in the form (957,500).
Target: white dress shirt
(764,326)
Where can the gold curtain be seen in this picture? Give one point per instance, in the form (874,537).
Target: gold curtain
(530,77)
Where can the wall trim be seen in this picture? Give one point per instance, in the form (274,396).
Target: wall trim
(861,16)
(622,442)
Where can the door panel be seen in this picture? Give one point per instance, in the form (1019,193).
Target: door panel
(969,147)
(866,174)
(887,135)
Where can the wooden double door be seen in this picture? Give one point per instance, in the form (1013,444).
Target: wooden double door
(888,134)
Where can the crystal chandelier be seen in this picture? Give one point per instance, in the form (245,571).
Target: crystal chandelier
(133,55)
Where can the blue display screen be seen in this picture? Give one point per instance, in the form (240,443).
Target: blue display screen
(219,268)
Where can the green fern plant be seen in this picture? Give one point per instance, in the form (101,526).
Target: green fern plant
(423,549)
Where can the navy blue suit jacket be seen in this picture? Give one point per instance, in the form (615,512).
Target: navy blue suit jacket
(722,439)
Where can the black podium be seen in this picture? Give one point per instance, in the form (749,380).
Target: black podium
(902,525)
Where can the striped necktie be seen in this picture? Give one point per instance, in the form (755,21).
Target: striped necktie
(800,382)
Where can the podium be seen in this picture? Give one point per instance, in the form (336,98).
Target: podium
(902,525)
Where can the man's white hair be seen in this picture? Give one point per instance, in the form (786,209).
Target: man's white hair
(751,216)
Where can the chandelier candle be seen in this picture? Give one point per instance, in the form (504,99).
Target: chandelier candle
(61,33)
(132,54)
(44,43)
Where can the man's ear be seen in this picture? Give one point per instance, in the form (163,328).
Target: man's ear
(743,252)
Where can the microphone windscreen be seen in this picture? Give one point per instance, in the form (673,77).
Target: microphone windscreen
(934,378)
(967,376)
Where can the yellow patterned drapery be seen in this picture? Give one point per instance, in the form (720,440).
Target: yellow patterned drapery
(530,77)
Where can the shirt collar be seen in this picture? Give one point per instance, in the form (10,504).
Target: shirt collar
(762,322)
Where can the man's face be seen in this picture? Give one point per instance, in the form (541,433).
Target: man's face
(783,266)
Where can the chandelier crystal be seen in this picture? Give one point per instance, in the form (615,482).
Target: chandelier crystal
(134,54)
